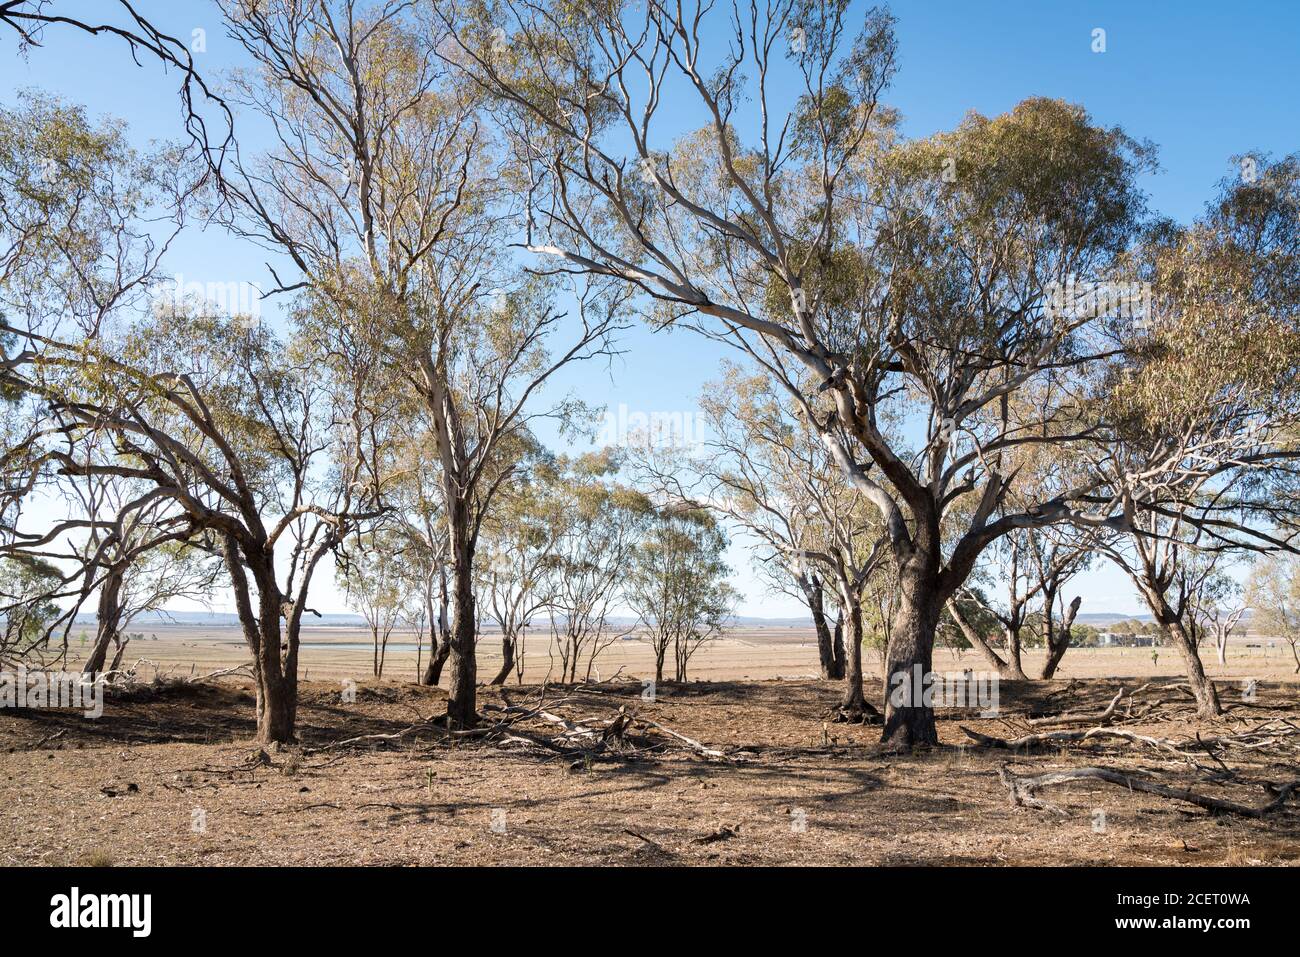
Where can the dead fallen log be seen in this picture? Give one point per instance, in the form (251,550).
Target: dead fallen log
(1023,790)
(241,670)
(1048,738)
(724,833)
(571,728)
(693,744)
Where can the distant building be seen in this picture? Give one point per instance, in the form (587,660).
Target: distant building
(1125,639)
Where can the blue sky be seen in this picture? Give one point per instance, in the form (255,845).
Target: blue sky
(1202,80)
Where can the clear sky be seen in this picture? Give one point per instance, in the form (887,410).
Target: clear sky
(1202,80)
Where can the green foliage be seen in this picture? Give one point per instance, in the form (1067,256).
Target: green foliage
(677,582)
(1084,636)
(83,213)
(1273,593)
(26,610)
(1223,348)
(975,611)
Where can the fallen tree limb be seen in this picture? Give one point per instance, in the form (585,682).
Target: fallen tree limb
(239,670)
(1065,737)
(695,745)
(1023,790)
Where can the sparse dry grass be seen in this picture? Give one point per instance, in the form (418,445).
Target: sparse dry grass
(428,802)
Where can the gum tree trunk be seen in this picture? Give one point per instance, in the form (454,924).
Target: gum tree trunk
(441,639)
(462,680)
(909,661)
(277,705)
(854,703)
(433,671)
(1057,638)
(1014,670)
(837,642)
(508,643)
(277,681)
(275,668)
(832,664)
(109,620)
(462,534)
(1207,698)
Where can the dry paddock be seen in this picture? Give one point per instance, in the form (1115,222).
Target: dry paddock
(168,775)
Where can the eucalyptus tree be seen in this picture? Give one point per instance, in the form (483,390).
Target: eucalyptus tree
(133,559)
(765,468)
(85,220)
(371,571)
(384,194)
(741,471)
(111,543)
(27,612)
(1221,604)
(1206,401)
(1058,556)
(798,228)
(1274,595)
(1034,567)
(414,495)
(677,585)
(1010,563)
(254,448)
(602,521)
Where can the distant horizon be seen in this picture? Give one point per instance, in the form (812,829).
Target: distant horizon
(196,616)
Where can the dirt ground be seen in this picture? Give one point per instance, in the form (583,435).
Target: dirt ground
(168,776)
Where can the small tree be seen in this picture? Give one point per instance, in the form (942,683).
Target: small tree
(1011,614)
(246,437)
(585,574)
(417,518)
(766,468)
(26,611)
(1058,555)
(521,535)
(371,571)
(1273,594)
(677,585)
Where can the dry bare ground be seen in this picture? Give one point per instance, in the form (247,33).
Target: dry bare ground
(599,776)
